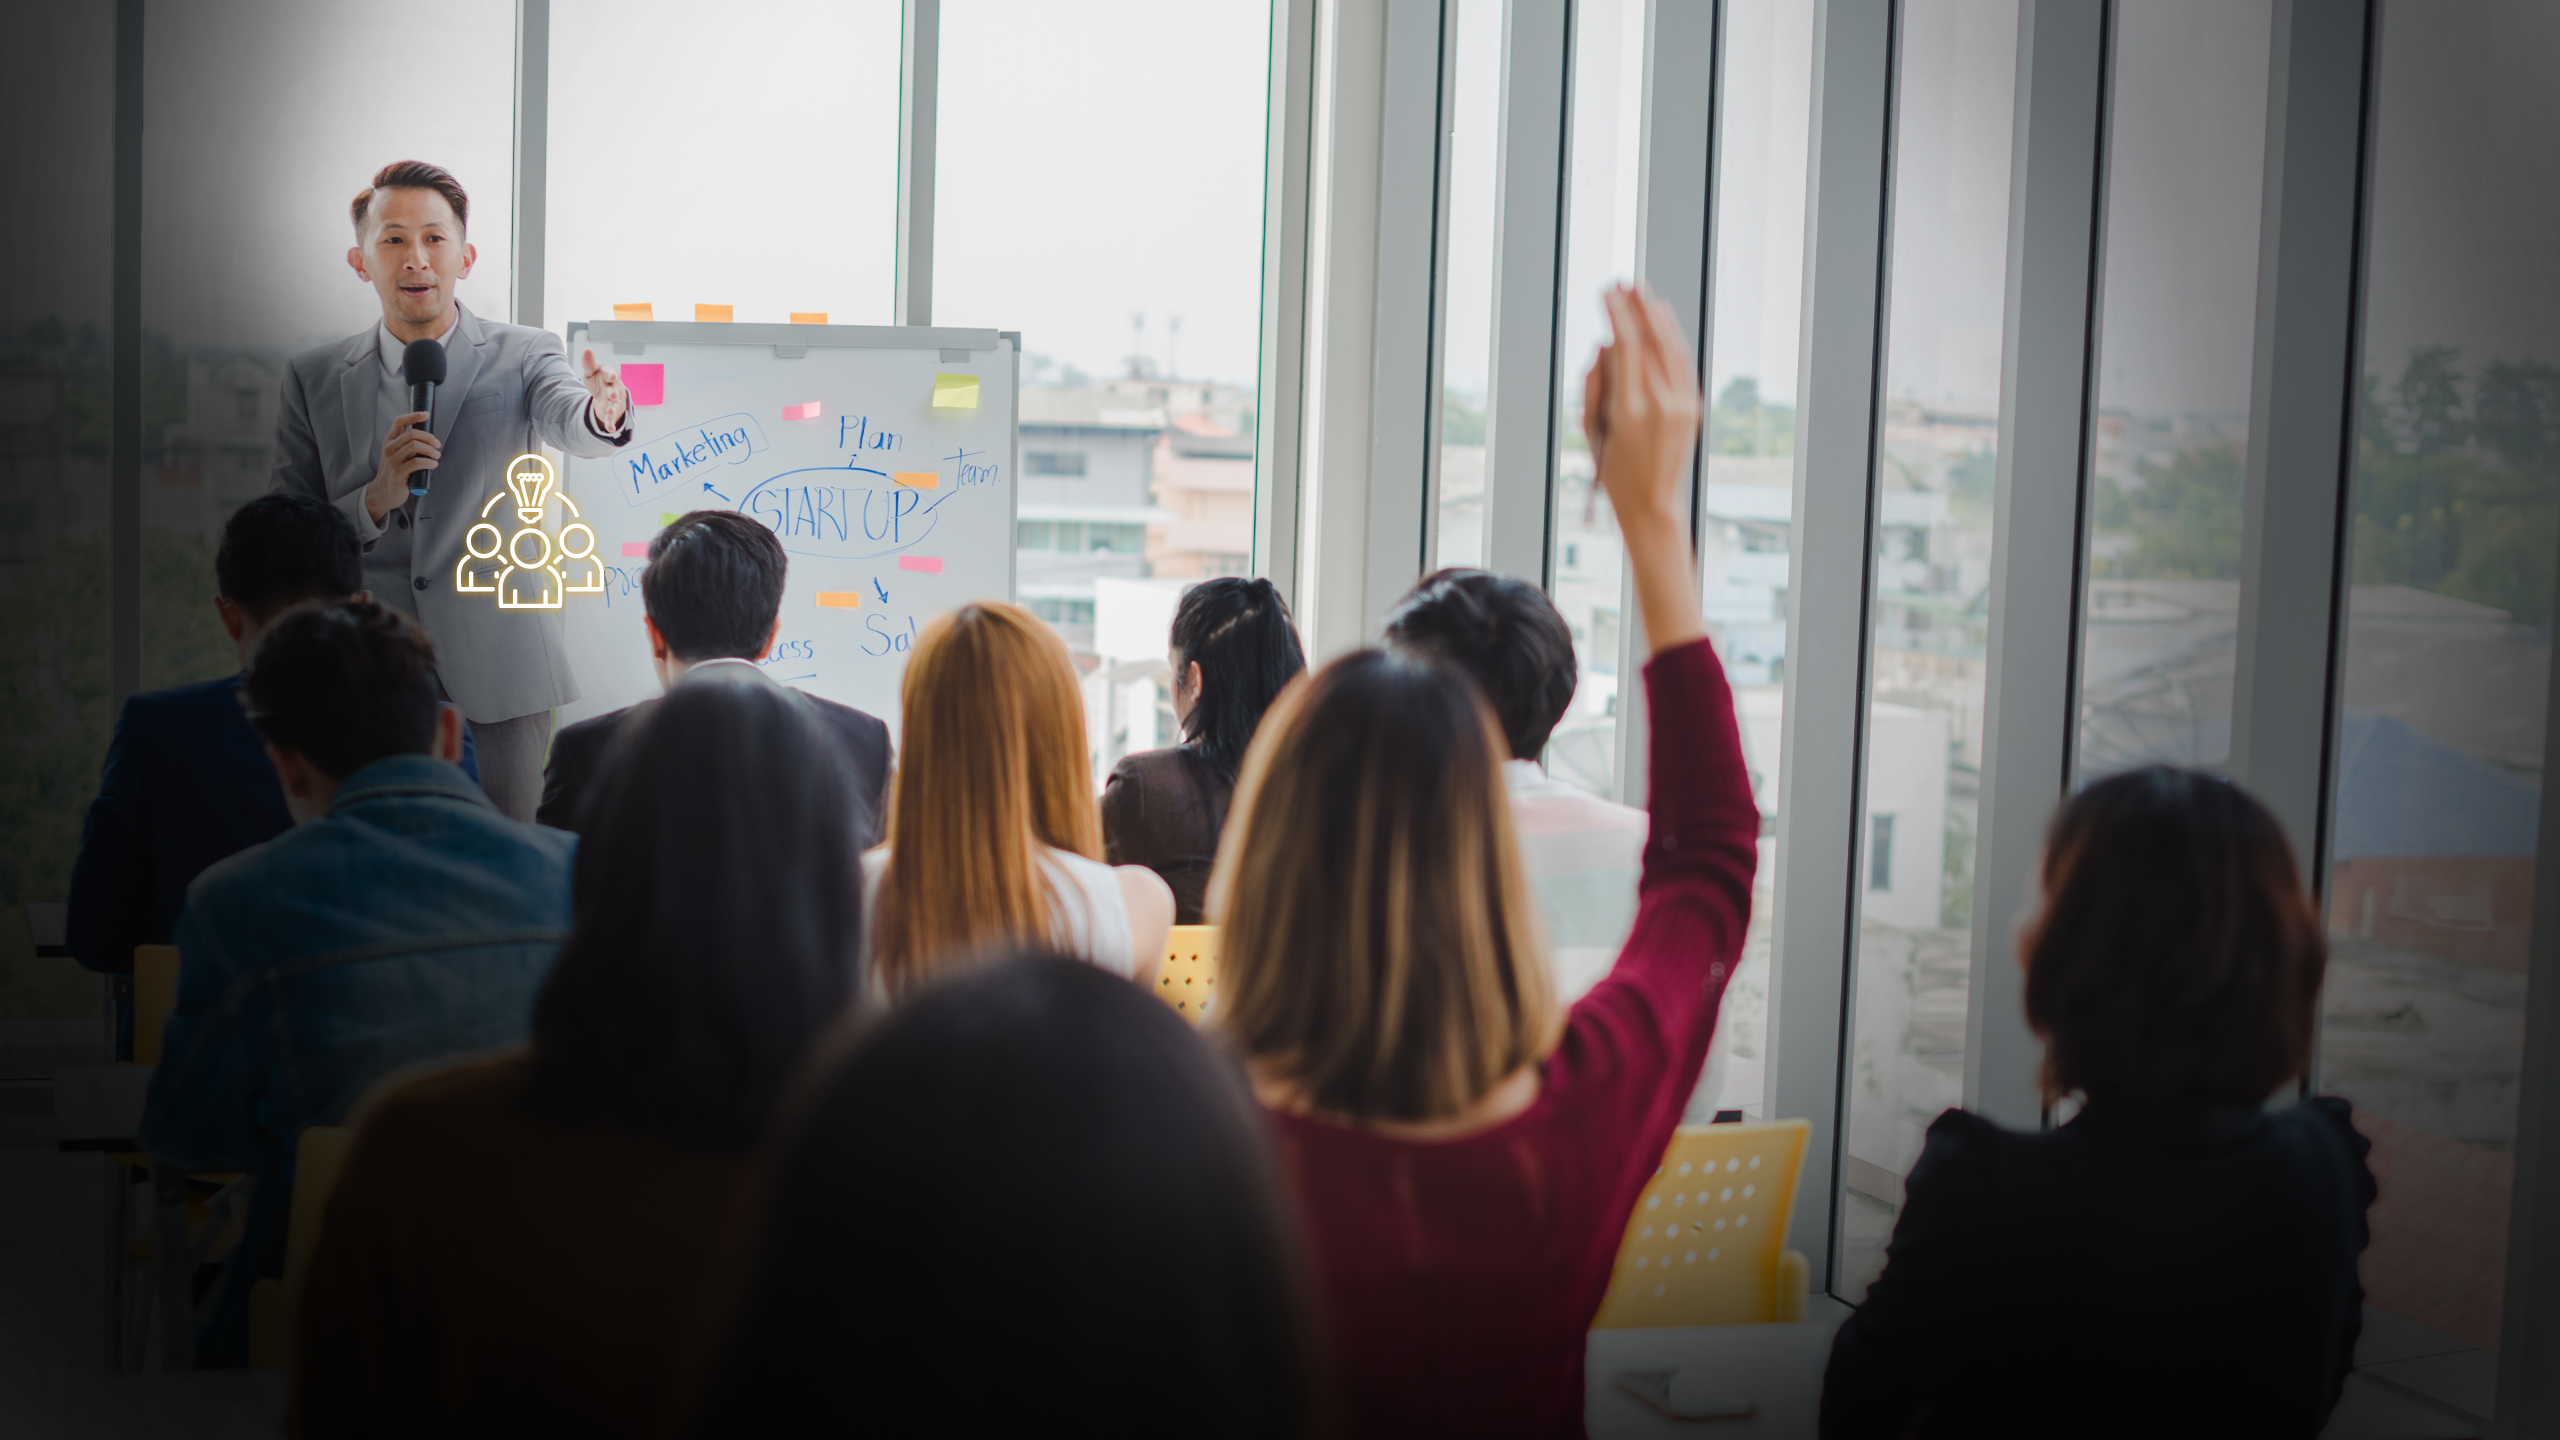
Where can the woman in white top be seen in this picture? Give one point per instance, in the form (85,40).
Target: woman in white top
(993,831)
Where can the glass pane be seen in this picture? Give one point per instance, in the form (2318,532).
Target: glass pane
(1099,189)
(2185,171)
(756,168)
(1466,344)
(1933,570)
(58,110)
(1589,560)
(2456,514)
(244,243)
(1750,498)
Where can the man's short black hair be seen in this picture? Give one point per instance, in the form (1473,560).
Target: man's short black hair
(281,549)
(345,685)
(714,585)
(1507,636)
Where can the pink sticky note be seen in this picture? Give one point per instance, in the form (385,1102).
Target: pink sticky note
(647,383)
(809,411)
(924,563)
(635,549)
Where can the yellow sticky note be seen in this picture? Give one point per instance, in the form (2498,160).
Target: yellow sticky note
(712,314)
(955,392)
(667,518)
(839,599)
(919,479)
(808,317)
(631,312)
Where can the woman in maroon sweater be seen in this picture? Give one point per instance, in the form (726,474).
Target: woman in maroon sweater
(1465,1161)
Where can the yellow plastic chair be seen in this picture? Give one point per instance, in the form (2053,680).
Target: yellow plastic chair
(1188,980)
(1707,1242)
(155,994)
(318,1158)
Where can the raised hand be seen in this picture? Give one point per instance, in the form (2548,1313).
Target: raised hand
(612,402)
(1641,412)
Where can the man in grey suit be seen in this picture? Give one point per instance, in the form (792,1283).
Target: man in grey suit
(415,481)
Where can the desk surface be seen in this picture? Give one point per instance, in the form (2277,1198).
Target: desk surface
(1778,1366)
(99,1107)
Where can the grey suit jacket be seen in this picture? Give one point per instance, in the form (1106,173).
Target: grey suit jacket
(506,387)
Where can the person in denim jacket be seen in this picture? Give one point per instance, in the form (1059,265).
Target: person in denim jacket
(402,919)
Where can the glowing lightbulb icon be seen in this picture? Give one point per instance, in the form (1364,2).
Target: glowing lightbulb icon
(531,479)
(528,570)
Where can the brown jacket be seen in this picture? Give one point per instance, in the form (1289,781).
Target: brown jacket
(485,1272)
(1164,809)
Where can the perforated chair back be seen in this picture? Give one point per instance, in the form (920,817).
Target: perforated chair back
(1707,1242)
(155,994)
(1188,980)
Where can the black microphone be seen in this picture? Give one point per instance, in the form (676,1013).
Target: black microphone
(422,365)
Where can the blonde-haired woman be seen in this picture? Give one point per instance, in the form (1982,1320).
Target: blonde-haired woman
(1465,1158)
(994,838)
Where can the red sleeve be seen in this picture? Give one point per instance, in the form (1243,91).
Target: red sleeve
(1642,1033)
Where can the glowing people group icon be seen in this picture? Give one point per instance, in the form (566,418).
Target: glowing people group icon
(539,572)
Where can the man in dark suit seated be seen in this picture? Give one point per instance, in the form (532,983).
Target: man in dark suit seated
(187,780)
(712,596)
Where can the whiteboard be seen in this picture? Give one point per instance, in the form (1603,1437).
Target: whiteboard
(893,508)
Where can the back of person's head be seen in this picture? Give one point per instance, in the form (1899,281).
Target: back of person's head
(713,584)
(2177,956)
(344,685)
(992,762)
(1380,950)
(282,549)
(715,919)
(1031,1200)
(1509,638)
(1238,632)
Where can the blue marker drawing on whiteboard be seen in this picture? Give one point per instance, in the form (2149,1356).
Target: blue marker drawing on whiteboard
(970,472)
(843,522)
(706,485)
(883,589)
(669,461)
(854,432)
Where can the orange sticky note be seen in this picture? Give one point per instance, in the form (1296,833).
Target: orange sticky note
(631,312)
(712,314)
(920,479)
(839,599)
(808,317)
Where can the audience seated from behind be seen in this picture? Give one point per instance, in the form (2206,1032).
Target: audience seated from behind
(1584,855)
(1465,1159)
(187,780)
(522,1243)
(401,919)
(2176,1259)
(1030,1201)
(992,834)
(1233,650)
(711,597)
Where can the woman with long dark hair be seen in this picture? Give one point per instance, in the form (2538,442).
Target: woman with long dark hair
(2178,1258)
(1031,1201)
(522,1244)
(1233,652)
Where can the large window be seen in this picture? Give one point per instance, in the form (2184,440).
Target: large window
(722,155)
(1099,189)
(2185,169)
(1932,593)
(54,578)
(2455,511)
(1466,334)
(1761,138)
(1588,564)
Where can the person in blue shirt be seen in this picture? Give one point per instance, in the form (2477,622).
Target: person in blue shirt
(187,780)
(402,919)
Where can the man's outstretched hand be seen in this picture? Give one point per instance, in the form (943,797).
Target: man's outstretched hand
(604,387)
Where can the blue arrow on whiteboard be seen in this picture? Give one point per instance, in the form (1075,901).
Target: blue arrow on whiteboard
(883,589)
(707,486)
